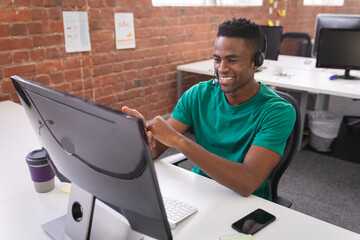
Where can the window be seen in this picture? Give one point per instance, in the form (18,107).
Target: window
(323,2)
(182,3)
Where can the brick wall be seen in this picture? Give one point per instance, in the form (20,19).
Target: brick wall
(32,46)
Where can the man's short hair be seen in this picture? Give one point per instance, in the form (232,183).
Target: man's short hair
(242,28)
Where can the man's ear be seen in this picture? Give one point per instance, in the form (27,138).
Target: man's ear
(253,67)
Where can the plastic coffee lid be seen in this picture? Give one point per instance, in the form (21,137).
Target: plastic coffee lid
(37,157)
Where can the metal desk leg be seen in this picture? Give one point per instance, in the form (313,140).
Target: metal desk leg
(179,84)
(303,104)
(322,102)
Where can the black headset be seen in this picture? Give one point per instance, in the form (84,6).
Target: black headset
(260,55)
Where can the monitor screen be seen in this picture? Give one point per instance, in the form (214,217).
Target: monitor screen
(339,48)
(324,20)
(102,151)
(273,38)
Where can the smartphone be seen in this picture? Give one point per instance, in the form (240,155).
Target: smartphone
(253,222)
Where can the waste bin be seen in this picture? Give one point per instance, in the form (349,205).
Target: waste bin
(324,128)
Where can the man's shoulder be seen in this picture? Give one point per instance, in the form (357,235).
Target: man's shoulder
(201,88)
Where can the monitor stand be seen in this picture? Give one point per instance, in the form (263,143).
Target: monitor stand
(347,76)
(85,220)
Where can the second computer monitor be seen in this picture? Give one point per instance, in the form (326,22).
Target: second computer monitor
(330,20)
(273,38)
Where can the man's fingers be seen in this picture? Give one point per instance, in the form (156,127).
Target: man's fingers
(133,112)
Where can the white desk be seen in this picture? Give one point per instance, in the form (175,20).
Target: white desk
(23,211)
(300,74)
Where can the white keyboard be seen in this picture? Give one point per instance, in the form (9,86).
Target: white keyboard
(176,210)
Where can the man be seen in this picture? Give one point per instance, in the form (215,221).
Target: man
(241,126)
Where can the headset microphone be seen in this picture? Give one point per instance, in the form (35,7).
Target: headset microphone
(214,82)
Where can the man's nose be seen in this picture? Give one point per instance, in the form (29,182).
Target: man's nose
(223,67)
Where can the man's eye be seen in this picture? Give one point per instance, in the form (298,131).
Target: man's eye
(232,60)
(217,60)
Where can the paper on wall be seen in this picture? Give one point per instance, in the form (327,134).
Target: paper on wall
(124,30)
(76,31)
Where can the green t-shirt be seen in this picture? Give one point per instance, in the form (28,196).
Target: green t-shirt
(228,131)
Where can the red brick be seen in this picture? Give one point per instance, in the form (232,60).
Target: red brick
(7,86)
(94,3)
(43,79)
(52,3)
(4,30)
(52,27)
(22,56)
(76,85)
(37,54)
(102,70)
(7,3)
(54,53)
(42,41)
(85,61)
(18,29)
(35,28)
(49,66)
(54,14)
(4,97)
(88,83)
(73,62)
(15,43)
(38,3)
(102,58)
(81,3)
(39,14)
(100,36)
(11,15)
(110,3)
(124,55)
(88,94)
(15,97)
(5,58)
(72,74)
(103,47)
(22,3)
(57,77)
(86,72)
(65,87)
(21,70)
(106,100)
(117,67)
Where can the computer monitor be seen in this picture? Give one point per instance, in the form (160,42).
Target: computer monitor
(339,48)
(329,20)
(105,155)
(273,38)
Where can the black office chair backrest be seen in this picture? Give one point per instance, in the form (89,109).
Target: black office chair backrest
(289,152)
(296,44)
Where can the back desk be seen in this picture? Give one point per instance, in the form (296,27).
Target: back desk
(23,211)
(297,74)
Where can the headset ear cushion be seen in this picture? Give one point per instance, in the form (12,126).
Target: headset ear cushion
(259,58)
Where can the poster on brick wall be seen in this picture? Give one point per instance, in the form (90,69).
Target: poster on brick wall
(76,31)
(124,30)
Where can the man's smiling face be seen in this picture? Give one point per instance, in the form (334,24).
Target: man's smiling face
(233,63)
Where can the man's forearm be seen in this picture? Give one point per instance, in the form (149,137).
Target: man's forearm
(158,149)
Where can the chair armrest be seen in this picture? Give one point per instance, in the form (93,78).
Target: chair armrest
(283,201)
(174,159)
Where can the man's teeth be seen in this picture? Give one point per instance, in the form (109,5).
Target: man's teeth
(225,79)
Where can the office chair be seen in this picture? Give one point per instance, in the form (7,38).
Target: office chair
(296,44)
(289,152)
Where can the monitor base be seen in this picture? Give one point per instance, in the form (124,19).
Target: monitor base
(90,222)
(105,227)
(347,76)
